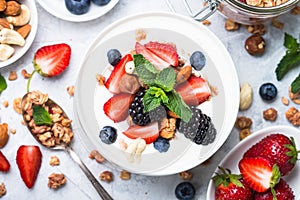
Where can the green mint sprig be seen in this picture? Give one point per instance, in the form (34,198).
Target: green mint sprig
(41,116)
(161,88)
(3,84)
(290,60)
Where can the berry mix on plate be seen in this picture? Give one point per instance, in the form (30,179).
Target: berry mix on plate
(262,169)
(157,94)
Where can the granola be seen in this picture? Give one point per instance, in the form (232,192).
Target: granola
(49,135)
(55,181)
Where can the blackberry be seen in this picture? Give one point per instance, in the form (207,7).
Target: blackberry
(139,117)
(199,129)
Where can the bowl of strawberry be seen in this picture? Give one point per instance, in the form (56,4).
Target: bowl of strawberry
(154,101)
(263,166)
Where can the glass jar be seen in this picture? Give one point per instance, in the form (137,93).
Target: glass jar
(246,14)
(238,11)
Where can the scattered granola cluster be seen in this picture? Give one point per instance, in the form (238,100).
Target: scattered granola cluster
(49,135)
(56,181)
(243,124)
(2,190)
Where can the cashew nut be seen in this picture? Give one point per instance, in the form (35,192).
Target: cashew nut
(9,36)
(22,18)
(6,52)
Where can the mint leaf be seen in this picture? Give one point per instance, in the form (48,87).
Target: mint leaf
(146,71)
(153,98)
(166,79)
(178,106)
(288,62)
(295,86)
(41,116)
(3,84)
(291,43)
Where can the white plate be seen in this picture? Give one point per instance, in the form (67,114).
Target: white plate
(220,72)
(234,156)
(20,51)
(58,9)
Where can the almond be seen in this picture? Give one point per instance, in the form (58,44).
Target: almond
(3,134)
(24,30)
(4,24)
(184,74)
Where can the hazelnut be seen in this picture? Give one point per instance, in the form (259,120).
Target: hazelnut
(255,45)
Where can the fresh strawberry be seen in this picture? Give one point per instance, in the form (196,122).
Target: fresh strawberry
(231,186)
(4,164)
(112,83)
(282,192)
(29,159)
(157,61)
(278,149)
(116,108)
(194,91)
(259,173)
(165,51)
(149,133)
(53,59)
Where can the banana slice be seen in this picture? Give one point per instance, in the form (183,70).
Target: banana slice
(6,52)
(8,36)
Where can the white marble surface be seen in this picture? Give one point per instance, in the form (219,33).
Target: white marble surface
(254,70)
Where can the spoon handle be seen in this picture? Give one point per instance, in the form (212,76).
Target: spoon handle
(101,191)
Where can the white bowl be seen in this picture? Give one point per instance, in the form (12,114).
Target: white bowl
(20,51)
(58,9)
(188,36)
(232,159)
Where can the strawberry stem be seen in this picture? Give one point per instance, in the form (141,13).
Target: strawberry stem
(29,80)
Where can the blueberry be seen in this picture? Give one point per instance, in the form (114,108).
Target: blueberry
(268,91)
(197,60)
(185,191)
(108,135)
(78,7)
(100,2)
(161,144)
(114,56)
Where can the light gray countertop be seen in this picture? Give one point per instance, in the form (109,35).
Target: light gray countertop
(254,70)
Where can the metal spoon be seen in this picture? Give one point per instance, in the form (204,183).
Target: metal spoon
(62,145)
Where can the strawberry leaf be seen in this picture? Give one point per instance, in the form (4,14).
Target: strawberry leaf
(3,84)
(41,116)
(166,79)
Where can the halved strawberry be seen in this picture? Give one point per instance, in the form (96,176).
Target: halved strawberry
(116,108)
(165,51)
(149,133)
(278,149)
(259,173)
(51,60)
(112,83)
(29,159)
(158,62)
(194,91)
(4,164)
